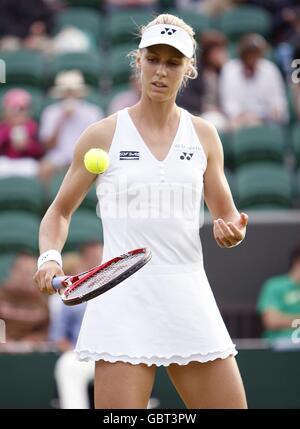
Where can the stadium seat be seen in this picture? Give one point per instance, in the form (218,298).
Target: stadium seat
(95,4)
(197,21)
(166,5)
(18,231)
(296,142)
(231,179)
(296,184)
(99,99)
(89,63)
(21,193)
(291,105)
(245,19)
(23,67)
(37,98)
(87,20)
(6,261)
(90,201)
(226,139)
(263,184)
(263,143)
(85,227)
(120,64)
(123,26)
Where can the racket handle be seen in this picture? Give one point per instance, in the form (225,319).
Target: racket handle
(57,282)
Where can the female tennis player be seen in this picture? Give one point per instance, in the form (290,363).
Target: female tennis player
(161,159)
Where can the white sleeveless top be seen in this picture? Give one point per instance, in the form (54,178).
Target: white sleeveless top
(166,312)
(149,203)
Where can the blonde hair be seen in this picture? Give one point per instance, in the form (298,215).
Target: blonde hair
(169,19)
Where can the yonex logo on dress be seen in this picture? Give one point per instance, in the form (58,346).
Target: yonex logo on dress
(168,31)
(186,155)
(129,155)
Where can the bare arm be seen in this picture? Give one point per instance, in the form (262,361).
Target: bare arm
(55,224)
(229,224)
(276,320)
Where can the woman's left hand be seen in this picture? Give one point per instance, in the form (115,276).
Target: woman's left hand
(230,234)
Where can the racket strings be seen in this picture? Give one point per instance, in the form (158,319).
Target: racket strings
(104,276)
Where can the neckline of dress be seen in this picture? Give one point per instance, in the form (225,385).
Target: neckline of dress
(147,147)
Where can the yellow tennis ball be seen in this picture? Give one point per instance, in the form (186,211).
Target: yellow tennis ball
(96,161)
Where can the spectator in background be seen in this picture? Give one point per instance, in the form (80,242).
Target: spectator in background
(295,83)
(251,87)
(279,301)
(19,145)
(72,377)
(72,39)
(24,310)
(25,23)
(63,122)
(126,98)
(285,50)
(202,96)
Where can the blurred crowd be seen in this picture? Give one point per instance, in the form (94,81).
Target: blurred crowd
(243,82)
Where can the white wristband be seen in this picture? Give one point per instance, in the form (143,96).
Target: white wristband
(49,255)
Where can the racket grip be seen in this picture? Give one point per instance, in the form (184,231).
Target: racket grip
(57,282)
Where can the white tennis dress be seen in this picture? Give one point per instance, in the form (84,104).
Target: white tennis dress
(166,312)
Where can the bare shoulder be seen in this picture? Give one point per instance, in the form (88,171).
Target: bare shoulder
(207,134)
(97,135)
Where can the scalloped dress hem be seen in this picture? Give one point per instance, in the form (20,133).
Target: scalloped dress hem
(85,355)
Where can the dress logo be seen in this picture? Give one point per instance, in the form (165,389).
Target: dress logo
(187,156)
(129,155)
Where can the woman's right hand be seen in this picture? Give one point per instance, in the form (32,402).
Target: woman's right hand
(43,277)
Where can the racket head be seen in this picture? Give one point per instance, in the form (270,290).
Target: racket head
(100,279)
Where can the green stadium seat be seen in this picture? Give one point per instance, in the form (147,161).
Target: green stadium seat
(263,184)
(87,20)
(231,179)
(296,184)
(90,201)
(19,231)
(291,105)
(124,25)
(85,227)
(296,142)
(120,64)
(245,19)
(166,6)
(95,4)
(263,143)
(226,139)
(197,21)
(6,261)
(89,63)
(99,99)
(37,97)
(24,67)
(21,193)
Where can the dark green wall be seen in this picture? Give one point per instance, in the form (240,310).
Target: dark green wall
(271,380)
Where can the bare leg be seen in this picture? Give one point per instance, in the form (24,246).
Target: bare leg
(214,384)
(123,385)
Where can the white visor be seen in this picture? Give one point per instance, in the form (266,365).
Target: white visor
(163,34)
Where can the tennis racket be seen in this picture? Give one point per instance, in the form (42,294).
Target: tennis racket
(100,279)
